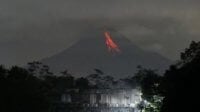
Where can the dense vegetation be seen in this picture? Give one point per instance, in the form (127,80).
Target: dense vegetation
(177,89)
(36,89)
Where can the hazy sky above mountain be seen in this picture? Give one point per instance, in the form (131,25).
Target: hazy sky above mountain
(34,29)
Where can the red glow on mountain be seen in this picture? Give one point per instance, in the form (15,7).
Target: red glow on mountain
(111,45)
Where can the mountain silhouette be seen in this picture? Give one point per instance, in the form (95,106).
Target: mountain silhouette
(91,52)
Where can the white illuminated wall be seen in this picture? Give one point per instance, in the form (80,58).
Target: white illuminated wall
(116,97)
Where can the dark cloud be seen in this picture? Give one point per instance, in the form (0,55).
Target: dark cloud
(32,29)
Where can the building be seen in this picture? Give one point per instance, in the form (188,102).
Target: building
(100,100)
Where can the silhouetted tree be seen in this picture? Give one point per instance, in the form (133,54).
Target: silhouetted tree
(181,82)
(22,92)
(60,83)
(98,71)
(66,73)
(2,73)
(148,80)
(82,83)
(38,69)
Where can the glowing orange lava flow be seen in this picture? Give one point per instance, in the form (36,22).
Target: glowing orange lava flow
(111,45)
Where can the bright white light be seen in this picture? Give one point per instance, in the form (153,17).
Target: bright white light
(132,105)
(117,97)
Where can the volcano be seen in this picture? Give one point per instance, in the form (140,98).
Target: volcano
(91,52)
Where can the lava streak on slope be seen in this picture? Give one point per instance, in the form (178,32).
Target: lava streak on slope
(111,45)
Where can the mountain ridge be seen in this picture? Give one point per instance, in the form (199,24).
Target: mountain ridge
(91,52)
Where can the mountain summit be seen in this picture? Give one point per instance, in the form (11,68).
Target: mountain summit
(108,51)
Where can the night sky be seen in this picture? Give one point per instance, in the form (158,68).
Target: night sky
(35,29)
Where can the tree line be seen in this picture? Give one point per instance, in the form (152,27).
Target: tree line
(36,89)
